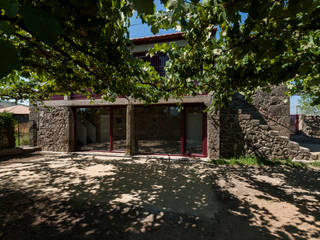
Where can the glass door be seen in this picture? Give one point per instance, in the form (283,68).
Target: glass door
(195,130)
(92,128)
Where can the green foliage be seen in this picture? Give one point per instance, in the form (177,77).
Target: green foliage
(144,6)
(315,164)
(46,28)
(10,7)
(7,121)
(277,43)
(22,140)
(83,47)
(255,161)
(305,106)
(10,54)
(74,46)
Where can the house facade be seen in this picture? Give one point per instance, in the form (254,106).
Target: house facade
(74,123)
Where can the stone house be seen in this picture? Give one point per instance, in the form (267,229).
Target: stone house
(73,123)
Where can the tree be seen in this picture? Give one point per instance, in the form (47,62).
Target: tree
(305,106)
(88,47)
(277,43)
(59,47)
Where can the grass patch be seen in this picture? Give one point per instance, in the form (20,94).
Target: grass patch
(315,164)
(255,161)
(24,140)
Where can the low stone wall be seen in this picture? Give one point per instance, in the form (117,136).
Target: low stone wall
(7,139)
(310,125)
(246,136)
(9,152)
(55,129)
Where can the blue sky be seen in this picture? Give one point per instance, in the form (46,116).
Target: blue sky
(138,29)
(293,104)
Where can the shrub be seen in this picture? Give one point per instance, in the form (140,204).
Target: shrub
(7,121)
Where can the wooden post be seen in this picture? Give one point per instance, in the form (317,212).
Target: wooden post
(130,130)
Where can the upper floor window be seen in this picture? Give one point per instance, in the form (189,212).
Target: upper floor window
(158,61)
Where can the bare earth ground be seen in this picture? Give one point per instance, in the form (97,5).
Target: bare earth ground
(97,197)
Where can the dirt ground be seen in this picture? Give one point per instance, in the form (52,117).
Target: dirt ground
(97,197)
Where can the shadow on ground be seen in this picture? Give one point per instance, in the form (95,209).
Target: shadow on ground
(280,202)
(73,197)
(306,141)
(92,197)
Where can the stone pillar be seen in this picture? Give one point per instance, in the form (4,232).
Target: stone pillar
(70,134)
(33,124)
(55,129)
(213,131)
(130,130)
(66,97)
(213,135)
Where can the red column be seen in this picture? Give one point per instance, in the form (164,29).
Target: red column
(111,129)
(183,131)
(204,134)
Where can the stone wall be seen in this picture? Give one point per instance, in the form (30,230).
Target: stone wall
(231,135)
(213,135)
(33,125)
(310,125)
(7,139)
(229,131)
(244,136)
(55,131)
(272,109)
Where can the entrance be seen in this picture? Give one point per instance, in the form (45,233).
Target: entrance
(158,129)
(166,129)
(101,128)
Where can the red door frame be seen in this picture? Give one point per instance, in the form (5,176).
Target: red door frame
(204,132)
(182,137)
(183,133)
(110,127)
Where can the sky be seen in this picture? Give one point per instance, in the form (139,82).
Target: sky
(293,104)
(138,30)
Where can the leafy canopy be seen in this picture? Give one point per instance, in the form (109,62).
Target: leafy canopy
(60,47)
(73,46)
(277,43)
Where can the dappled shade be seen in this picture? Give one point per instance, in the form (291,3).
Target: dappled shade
(70,196)
(93,197)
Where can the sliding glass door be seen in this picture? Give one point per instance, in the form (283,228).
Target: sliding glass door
(100,128)
(119,128)
(92,128)
(195,130)
(158,129)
